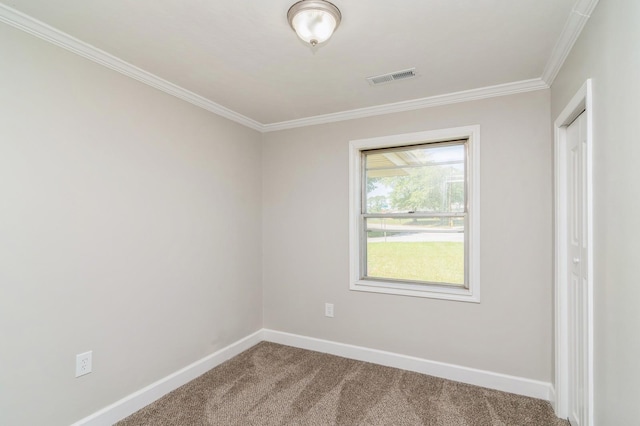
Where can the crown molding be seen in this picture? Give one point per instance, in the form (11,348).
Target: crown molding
(572,28)
(574,25)
(431,101)
(41,30)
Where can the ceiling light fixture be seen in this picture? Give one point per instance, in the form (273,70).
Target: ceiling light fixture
(314,21)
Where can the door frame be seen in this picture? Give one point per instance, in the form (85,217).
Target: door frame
(581,101)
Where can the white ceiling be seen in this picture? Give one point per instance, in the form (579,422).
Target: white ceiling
(242,54)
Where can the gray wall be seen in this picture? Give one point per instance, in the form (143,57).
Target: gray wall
(138,226)
(129,225)
(306,247)
(608,51)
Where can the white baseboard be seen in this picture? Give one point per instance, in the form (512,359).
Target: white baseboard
(487,379)
(552,398)
(145,396)
(140,399)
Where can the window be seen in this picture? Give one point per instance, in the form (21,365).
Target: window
(415,214)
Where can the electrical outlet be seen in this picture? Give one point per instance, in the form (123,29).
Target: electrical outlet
(83,363)
(328,310)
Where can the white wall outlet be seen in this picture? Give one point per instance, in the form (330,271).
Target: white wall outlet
(83,363)
(328,310)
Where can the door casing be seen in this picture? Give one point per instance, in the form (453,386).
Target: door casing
(582,101)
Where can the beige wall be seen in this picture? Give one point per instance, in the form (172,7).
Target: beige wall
(608,51)
(306,251)
(129,225)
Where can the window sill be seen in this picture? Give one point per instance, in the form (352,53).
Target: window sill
(416,290)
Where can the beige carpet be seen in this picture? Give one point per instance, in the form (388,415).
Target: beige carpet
(272,384)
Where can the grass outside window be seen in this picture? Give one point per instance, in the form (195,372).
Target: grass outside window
(435,262)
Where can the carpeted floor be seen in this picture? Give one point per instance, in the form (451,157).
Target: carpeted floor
(272,384)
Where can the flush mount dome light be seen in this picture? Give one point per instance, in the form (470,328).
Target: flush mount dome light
(314,21)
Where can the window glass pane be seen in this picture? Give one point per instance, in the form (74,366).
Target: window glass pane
(421,249)
(425,178)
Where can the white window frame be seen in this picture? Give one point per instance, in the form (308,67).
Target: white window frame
(357,282)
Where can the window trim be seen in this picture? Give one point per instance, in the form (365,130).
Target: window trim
(470,294)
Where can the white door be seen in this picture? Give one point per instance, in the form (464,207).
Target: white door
(577,269)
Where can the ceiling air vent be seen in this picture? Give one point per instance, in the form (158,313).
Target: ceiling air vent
(392,76)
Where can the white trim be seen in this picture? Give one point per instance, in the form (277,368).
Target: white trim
(574,25)
(431,101)
(39,29)
(145,396)
(472,294)
(552,397)
(560,270)
(582,100)
(473,376)
(570,33)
